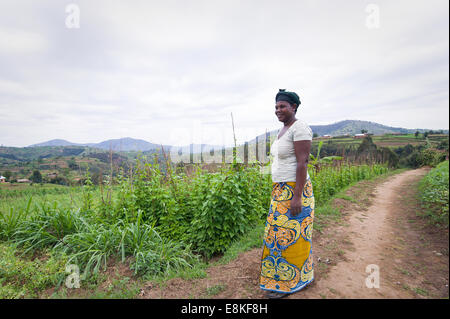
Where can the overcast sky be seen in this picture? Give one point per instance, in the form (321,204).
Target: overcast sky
(173,71)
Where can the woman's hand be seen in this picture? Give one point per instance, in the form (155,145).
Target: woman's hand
(296,205)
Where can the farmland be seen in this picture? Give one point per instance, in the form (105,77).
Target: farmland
(390,140)
(158,225)
(155,221)
(68,165)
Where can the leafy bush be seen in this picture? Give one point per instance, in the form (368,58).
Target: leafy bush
(434,194)
(151,194)
(227,205)
(431,157)
(423,156)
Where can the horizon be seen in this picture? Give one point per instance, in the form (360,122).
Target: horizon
(172,73)
(228,145)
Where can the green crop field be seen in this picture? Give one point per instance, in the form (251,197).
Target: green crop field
(158,224)
(161,221)
(387,140)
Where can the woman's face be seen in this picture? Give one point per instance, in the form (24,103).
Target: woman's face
(284,111)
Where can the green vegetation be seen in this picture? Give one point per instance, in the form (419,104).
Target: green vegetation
(21,278)
(67,165)
(398,151)
(162,224)
(158,224)
(331,179)
(434,194)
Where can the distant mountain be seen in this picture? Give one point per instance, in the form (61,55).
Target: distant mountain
(56,142)
(353,127)
(122,144)
(350,127)
(127,144)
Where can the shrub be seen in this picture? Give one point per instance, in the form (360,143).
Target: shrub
(434,194)
(226,207)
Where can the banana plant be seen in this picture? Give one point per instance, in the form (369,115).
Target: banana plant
(315,161)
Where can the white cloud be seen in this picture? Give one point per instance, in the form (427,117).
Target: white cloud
(165,71)
(13,41)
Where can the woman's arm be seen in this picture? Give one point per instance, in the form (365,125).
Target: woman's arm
(302,150)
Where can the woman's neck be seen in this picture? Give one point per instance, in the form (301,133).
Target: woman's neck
(292,120)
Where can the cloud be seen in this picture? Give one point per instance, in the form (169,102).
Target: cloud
(165,71)
(13,41)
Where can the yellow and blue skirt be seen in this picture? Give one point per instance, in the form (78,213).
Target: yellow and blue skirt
(287,262)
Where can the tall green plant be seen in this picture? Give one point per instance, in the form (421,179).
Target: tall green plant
(434,192)
(315,161)
(226,209)
(11,221)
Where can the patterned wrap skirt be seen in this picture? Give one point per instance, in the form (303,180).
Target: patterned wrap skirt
(287,261)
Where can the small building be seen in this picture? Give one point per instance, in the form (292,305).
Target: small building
(326,136)
(360,135)
(23,180)
(2,179)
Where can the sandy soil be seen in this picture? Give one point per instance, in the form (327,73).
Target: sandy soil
(378,227)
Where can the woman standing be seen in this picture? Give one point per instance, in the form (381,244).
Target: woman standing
(287,262)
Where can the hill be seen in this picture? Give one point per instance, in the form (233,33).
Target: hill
(353,127)
(125,144)
(350,127)
(55,142)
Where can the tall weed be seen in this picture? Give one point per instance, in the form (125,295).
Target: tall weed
(434,194)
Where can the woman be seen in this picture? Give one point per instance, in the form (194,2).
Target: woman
(287,262)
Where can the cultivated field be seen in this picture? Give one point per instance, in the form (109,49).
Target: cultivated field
(160,222)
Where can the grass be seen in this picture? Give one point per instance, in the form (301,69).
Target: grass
(346,197)
(214,290)
(434,189)
(254,238)
(325,215)
(421,291)
(25,277)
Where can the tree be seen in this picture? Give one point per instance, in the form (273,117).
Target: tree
(315,135)
(7,174)
(36,177)
(363,131)
(367,146)
(72,164)
(416,134)
(425,135)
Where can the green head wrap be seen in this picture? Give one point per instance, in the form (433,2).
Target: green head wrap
(287,96)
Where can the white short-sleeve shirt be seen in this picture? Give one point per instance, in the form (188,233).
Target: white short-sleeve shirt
(284,165)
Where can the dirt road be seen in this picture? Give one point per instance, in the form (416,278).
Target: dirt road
(379,242)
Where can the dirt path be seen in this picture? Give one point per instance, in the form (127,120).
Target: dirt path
(378,227)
